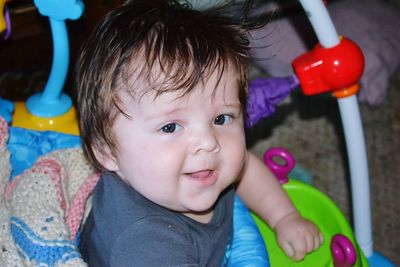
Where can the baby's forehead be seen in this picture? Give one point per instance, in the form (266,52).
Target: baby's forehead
(140,78)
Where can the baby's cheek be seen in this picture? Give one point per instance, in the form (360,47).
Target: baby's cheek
(238,160)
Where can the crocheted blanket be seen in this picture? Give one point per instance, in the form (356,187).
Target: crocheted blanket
(42,209)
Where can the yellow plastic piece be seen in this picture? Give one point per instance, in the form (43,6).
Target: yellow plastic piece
(66,123)
(2,20)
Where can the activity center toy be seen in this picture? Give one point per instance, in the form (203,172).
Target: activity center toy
(334,65)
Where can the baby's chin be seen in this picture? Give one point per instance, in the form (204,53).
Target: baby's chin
(197,208)
(203,216)
(203,207)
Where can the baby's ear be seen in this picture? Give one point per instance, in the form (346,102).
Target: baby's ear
(106,158)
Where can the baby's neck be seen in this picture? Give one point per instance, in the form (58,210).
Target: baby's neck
(203,217)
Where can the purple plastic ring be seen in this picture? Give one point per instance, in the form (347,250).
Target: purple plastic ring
(343,252)
(281,171)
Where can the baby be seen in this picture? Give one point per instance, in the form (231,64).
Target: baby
(161,98)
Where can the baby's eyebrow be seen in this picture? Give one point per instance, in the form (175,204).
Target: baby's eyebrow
(158,114)
(236,105)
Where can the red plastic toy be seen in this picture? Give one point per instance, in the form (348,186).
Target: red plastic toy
(330,69)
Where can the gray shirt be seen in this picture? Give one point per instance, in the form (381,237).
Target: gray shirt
(126,229)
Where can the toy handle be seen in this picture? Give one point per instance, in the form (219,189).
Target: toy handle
(281,171)
(343,252)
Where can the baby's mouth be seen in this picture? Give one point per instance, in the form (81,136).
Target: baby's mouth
(203,178)
(203,174)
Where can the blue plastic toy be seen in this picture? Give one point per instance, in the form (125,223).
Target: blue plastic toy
(52,102)
(52,109)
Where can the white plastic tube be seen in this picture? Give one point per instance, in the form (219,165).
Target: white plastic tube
(358,164)
(353,131)
(321,22)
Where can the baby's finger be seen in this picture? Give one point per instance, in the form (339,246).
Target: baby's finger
(289,251)
(301,248)
(310,243)
(317,242)
(299,255)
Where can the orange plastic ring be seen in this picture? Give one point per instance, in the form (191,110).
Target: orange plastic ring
(349,91)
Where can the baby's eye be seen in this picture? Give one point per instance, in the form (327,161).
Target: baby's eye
(171,128)
(223,119)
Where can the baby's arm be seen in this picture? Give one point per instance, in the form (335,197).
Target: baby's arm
(263,194)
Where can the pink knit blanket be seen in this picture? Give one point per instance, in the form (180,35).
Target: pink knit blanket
(42,209)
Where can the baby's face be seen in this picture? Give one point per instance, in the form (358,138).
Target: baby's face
(181,153)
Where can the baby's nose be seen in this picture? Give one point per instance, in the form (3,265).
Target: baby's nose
(206,141)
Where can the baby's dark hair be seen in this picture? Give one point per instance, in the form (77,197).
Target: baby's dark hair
(186,45)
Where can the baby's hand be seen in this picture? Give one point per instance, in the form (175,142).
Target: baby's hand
(297,236)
